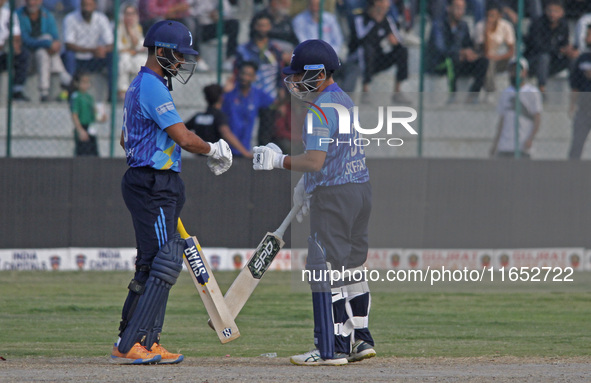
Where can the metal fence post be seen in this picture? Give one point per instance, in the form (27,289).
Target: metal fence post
(114,76)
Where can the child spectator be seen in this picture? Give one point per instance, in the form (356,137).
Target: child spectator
(84,113)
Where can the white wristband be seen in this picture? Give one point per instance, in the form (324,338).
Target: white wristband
(211,150)
(278,163)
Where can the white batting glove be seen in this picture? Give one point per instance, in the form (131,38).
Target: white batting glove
(220,157)
(267,157)
(300,197)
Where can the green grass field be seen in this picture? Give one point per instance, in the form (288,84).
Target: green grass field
(56,314)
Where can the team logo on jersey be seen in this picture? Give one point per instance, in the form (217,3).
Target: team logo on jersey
(164,108)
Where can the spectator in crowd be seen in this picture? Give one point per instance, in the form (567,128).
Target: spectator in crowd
(268,58)
(374,29)
(305,25)
(39,35)
(580,83)
(242,105)
(574,9)
(152,11)
(450,51)
(21,56)
(547,44)
(530,100)
(402,11)
(212,125)
(84,114)
(106,7)
(532,8)
(130,44)
(89,39)
(206,14)
(60,8)
(496,38)
(281,24)
(439,9)
(580,37)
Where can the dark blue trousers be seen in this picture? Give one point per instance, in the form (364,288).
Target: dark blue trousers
(155,199)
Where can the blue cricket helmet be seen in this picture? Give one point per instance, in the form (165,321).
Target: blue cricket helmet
(170,34)
(312,54)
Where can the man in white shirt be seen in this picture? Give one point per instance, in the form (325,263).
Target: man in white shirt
(305,25)
(89,39)
(495,36)
(206,14)
(530,112)
(581,32)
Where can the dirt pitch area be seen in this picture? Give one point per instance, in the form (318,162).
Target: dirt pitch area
(262,369)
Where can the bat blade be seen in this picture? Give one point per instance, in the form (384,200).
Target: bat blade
(209,291)
(251,274)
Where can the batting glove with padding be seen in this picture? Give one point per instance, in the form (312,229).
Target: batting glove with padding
(302,199)
(220,157)
(267,157)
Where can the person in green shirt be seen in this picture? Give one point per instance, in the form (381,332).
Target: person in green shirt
(84,114)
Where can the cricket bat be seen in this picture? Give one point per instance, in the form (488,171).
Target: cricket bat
(221,318)
(250,276)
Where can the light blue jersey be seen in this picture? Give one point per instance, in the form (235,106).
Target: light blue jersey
(149,110)
(345,162)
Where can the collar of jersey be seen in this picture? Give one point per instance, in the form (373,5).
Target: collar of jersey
(331,88)
(150,71)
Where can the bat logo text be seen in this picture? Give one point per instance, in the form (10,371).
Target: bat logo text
(197,265)
(227,332)
(261,260)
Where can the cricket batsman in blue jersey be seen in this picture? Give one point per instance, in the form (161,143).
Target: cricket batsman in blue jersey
(152,136)
(335,189)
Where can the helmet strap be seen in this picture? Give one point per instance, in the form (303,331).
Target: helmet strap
(169,81)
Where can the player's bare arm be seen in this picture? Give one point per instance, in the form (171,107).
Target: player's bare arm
(309,161)
(187,139)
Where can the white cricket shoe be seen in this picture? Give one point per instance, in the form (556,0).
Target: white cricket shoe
(361,350)
(312,358)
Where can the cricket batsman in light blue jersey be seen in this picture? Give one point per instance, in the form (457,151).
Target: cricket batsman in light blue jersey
(336,191)
(152,136)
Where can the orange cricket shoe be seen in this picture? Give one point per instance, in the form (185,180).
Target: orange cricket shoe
(137,355)
(167,357)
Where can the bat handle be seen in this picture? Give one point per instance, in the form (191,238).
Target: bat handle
(292,213)
(181,229)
